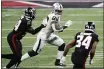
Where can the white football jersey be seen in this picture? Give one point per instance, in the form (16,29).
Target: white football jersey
(51,18)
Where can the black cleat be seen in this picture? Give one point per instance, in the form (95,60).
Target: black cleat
(17,64)
(60,64)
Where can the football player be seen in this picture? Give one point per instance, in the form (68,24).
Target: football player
(21,28)
(47,34)
(85,43)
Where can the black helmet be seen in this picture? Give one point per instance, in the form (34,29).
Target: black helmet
(90,26)
(30,12)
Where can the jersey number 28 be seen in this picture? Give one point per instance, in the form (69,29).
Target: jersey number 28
(83,42)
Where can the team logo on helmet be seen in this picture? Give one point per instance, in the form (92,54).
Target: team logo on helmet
(30,12)
(90,26)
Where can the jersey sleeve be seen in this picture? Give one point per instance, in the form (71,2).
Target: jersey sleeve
(95,37)
(76,35)
(35,31)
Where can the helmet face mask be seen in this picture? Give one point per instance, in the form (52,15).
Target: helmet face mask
(33,13)
(30,12)
(90,26)
(58,12)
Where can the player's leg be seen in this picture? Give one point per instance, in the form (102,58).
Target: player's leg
(57,41)
(7,56)
(73,59)
(14,45)
(78,60)
(78,66)
(20,52)
(36,49)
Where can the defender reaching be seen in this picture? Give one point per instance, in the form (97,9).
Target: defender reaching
(48,34)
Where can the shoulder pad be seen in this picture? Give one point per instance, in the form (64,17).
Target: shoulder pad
(51,15)
(94,34)
(78,33)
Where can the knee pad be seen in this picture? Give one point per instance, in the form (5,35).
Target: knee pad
(32,53)
(61,48)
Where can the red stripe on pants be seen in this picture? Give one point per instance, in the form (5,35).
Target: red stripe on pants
(14,45)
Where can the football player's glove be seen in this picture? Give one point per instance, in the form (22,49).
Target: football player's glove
(68,23)
(90,61)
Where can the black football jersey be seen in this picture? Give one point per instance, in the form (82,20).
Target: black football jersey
(84,42)
(23,26)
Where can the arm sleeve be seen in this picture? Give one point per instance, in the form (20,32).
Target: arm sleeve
(35,31)
(76,35)
(95,37)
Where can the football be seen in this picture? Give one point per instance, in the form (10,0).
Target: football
(58,26)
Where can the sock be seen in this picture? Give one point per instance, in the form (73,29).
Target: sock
(13,61)
(59,54)
(7,56)
(25,56)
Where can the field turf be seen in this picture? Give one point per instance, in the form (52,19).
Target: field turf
(47,57)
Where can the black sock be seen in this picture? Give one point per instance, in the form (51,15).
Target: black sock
(7,56)
(13,61)
(57,61)
(18,63)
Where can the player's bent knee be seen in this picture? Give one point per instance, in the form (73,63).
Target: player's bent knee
(17,57)
(61,48)
(32,53)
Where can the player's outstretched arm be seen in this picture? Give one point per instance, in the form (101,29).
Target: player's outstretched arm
(67,24)
(35,31)
(92,52)
(70,45)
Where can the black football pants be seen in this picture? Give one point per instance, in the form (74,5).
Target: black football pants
(78,61)
(16,48)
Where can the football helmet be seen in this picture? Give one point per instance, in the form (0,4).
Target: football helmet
(90,26)
(57,8)
(30,12)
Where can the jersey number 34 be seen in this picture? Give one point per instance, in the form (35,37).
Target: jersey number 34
(83,41)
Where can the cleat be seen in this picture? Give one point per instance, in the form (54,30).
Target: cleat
(60,64)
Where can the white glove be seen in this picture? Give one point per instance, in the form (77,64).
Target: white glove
(90,61)
(68,23)
(63,59)
(44,22)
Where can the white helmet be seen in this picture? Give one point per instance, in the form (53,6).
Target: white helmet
(57,8)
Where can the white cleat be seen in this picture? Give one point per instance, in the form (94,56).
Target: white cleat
(4,67)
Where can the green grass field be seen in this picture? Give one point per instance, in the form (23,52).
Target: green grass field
(47,57)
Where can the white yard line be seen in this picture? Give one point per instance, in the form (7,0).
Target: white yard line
(66,29)
(61,21)
(51,46)
(24,37)
(61,37)
(63,15)
(58,67)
